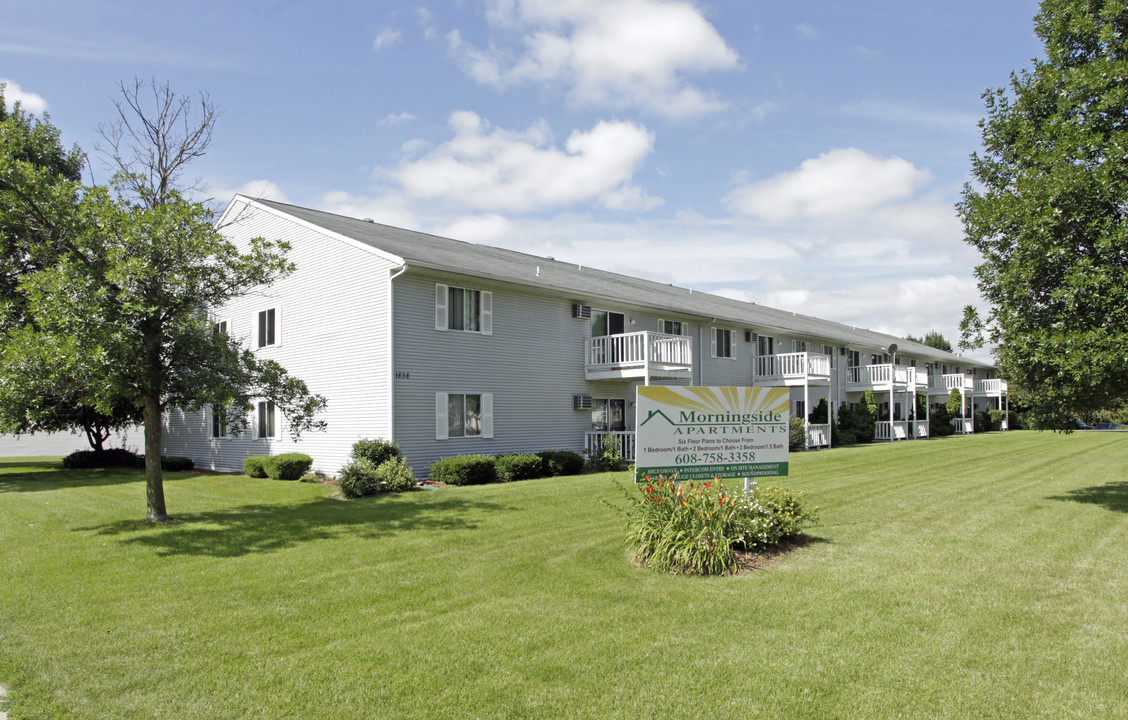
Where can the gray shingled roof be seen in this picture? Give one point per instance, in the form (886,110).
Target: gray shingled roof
(583,283)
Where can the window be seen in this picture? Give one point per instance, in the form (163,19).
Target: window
(853,359)
(801,409)
(266,424)
(219,422)
(800,346)
(463,415)
(722,343)
(464,310)
(609,414)
(765,345)
(219,328)
(673,327)
(268,327)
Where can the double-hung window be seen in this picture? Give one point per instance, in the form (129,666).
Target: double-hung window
(266,328)
(723,346)
(673,327)
(266,421)
(463,309)
(463,415)
(219,421)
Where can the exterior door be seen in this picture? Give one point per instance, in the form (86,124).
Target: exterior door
(605,323)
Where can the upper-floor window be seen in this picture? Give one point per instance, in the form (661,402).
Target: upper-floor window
(463,309)
(765,345)
(800,346)
(219,327)
(673,327)
(267,327)
(722,343)
(219,421)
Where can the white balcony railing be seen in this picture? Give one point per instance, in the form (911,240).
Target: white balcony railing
(818,435)
(920,428)
(892,430)
(991,387)
(794,366)
(963,426)
(594,442)
(875,376)
(637,354)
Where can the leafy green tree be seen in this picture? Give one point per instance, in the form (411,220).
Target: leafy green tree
(39,176)
(933,339)
(1048,213)
(122,311)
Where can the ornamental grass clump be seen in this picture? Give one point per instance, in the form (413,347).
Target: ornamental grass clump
(698,528)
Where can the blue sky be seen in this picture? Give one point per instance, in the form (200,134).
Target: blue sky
(804,155)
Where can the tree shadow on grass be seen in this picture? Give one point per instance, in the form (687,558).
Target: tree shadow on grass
(1111,496)
(263,528)
(51,477)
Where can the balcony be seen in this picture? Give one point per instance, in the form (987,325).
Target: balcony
(790,369)
(994,388)
(945,384)
(818,435)
(884,377)
(638,355)
(593,441)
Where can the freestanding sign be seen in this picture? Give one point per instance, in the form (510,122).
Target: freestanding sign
(700,433)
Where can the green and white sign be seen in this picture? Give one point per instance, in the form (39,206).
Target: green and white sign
(699,433)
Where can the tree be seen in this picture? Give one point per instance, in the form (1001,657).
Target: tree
(1048,215)
(36,175)
(125,305)
(933,339)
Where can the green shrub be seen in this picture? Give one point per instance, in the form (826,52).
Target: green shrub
(696,528)
(394,475)
(861,421)
(796,434)
(996,417)
(376,452)
(311,478)
(515,466)
(608,457)
(177,464)
(940,422)
(113,457)
(358,478)
(464,470)
(253,466)
(561,462)
(288,466)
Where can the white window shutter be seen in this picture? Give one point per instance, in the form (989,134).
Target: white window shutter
(487,415)
(254,331)
(712,342)
(440,307)
(441,427)
(487,312)
(278,325)
(661,325)
(277,417)
(685,329)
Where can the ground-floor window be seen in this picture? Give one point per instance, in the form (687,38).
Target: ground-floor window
(463,415)
(266,424)
(609,414)
(219,422)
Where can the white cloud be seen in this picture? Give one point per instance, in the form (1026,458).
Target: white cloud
(29,101)
(493,169)
(397,118)
(904,113)
(844,183)
(385,38)
(809,32)
(619,53)
(265,189)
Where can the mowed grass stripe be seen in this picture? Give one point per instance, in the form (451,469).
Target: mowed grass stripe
(967,577)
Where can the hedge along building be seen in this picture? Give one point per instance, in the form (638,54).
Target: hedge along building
(451,348)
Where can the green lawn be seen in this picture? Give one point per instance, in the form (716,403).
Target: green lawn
(969,577)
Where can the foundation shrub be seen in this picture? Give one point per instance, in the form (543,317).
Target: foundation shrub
(288,466)
(464,470)
(516,466)
(561,462)
(796,432)
(113,457)
(394,475)
(376,451)
(173,463)
(358,478)
(254,466)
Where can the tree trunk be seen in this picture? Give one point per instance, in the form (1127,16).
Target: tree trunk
(154,480)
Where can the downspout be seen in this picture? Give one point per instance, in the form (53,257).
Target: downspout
(396,272)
